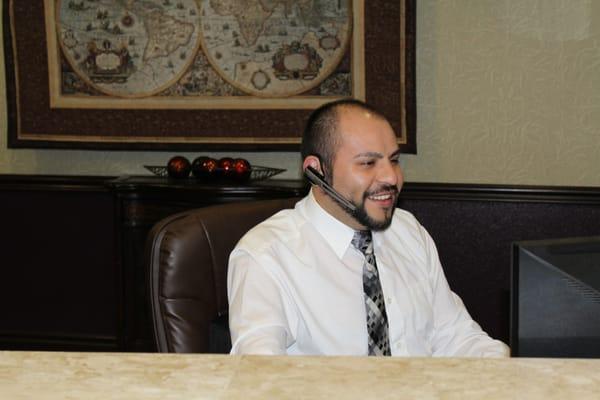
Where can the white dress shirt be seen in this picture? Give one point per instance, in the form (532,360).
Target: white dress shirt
(295,287)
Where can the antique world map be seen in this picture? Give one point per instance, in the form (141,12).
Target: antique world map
(187,48)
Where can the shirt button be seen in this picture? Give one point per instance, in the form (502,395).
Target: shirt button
(389,300)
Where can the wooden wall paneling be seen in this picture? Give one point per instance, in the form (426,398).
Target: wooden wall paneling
(58,272)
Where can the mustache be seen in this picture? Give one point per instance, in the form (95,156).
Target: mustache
(382,189)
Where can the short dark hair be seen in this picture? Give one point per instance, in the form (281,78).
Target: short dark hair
(319,138)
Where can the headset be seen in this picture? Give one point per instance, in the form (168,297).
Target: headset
(316,178)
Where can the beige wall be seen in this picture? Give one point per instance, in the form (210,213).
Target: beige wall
(508,92)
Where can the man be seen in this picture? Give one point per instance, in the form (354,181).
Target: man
(328,278)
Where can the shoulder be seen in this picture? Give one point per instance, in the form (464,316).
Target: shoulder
(405,219)
(280,228)
(407,233)
(404,223)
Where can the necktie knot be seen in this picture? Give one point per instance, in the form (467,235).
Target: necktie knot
(363,241)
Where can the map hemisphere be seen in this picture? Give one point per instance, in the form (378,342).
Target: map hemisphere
(275,48)
(129,48)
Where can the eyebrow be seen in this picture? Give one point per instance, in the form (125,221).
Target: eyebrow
(375,154)
(372,154)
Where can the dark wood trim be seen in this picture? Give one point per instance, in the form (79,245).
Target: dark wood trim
(148,184)
(518,193)
(410,64)
(10,78)
(28,341)
(53,183)
(411,190)
(514,301)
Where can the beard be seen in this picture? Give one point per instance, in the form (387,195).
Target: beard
(361,215)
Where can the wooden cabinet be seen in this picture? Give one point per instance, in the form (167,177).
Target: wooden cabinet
(140,202)
(73,275)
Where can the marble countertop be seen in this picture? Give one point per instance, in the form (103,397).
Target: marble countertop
(57,375)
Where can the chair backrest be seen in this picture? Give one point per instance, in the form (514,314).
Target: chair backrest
(187,256)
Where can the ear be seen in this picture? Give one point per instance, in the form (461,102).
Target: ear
(312,161)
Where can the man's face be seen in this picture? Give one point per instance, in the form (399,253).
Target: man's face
(366,168)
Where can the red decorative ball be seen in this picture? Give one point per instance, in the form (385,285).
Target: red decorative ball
(204,168)
(226,170)
(242,169)
(178,167)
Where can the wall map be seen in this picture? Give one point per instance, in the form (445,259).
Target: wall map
(200,74)
(188,48)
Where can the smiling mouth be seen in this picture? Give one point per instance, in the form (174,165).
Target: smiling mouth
(382,197)
(385,198)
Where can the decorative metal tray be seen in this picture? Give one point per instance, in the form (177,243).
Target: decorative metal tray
(257,172)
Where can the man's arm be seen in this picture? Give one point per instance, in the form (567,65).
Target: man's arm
(257,317)
(455,333)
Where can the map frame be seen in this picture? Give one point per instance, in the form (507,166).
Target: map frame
(38,119)
(57,100)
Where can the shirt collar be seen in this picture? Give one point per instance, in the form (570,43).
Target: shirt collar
(337,234)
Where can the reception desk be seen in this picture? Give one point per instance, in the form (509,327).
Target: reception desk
(52,375)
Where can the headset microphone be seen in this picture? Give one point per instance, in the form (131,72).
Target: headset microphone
(316,178)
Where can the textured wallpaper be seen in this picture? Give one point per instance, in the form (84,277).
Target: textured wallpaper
(508,92)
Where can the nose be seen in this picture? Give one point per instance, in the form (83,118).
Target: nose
(390,173)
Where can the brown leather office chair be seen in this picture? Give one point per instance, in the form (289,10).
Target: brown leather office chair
(187,256)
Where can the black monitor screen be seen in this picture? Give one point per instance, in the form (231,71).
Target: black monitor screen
(555,298)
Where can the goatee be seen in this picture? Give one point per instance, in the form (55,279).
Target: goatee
(361,215)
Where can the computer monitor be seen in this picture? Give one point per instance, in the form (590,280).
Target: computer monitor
(555,298)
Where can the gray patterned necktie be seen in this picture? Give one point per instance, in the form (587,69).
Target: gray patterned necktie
(377,324)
